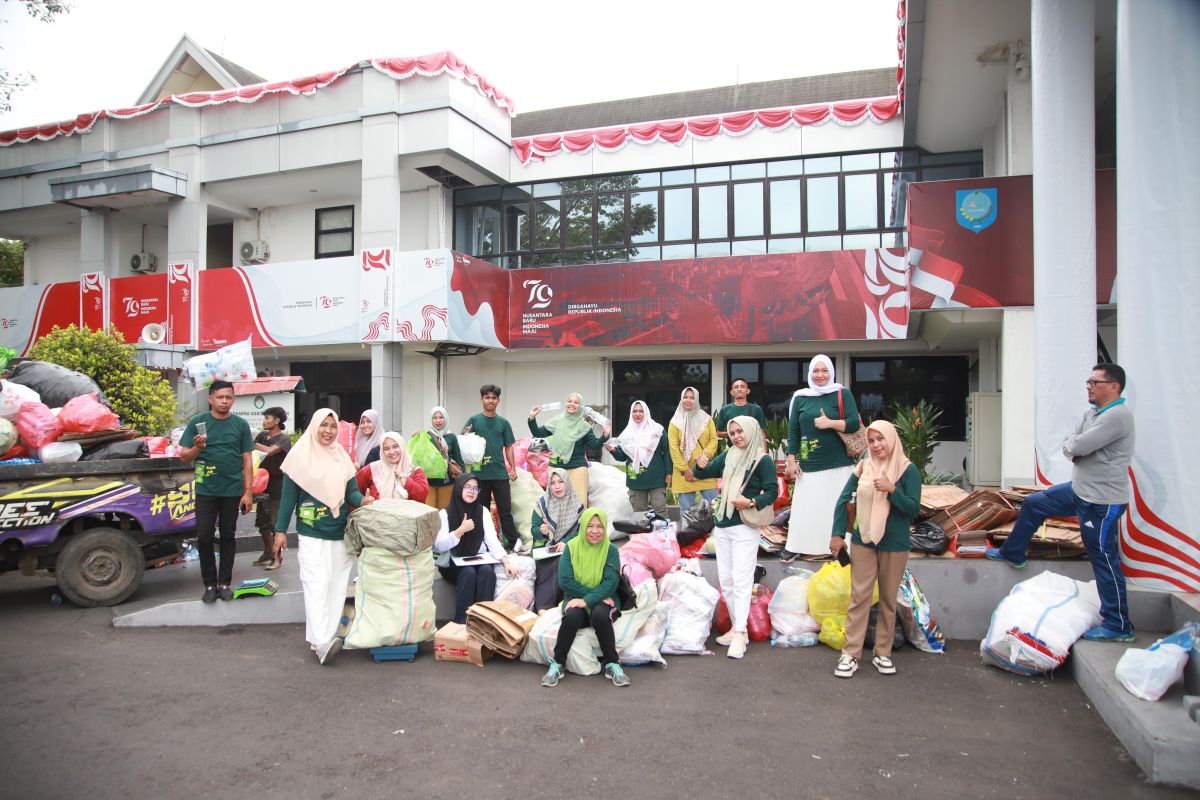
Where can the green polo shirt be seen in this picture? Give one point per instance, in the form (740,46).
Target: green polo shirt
(219,464)
(498,434)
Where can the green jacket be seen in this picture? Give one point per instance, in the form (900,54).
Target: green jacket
(762,488)
(654,474)
(313,518)
(906,505)
(574,589)
(816,449)
(577,459)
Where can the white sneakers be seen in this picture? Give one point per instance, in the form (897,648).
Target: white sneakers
(737,644)
(846,666)
(725,638)
(329,651)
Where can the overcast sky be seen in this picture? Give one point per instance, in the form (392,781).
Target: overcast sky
(543,55)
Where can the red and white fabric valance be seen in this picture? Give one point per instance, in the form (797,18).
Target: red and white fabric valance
(397,68)
(881,109)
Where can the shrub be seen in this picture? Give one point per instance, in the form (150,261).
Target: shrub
(139,396)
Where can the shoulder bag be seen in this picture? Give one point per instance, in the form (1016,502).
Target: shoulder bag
(754,516)
(855,443)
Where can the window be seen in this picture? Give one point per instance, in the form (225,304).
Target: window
(657,384)
(941,380)
(772,381)
(335,232)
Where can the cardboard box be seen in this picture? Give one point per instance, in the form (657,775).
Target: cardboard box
(500,625)
(452,643)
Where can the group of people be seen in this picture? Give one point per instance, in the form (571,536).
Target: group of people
(320,482)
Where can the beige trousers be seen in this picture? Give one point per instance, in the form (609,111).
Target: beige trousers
(868,566)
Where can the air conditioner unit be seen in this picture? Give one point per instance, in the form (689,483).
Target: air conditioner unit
(143,262)
(255,251)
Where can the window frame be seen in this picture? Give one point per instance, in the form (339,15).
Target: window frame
(318,233)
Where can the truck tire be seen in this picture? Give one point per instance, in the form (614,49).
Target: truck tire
(99,567)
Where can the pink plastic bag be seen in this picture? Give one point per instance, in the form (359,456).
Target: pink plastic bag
(656,551)
(538,465)
(520,449)
(156,446)
(36,426)
(346,436)
(85,414)
(261,479)
(636,572)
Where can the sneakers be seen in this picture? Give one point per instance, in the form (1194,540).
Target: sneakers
(210,594)
(327,653)
(846,667)
(787,556)
(993,554)
(725,639)
(264,559)
(884,665)
(615,674)
(737,645)
(553,675)
(274,563)
(1103,634)
(225,593)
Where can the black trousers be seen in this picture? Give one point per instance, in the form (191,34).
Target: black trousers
(601,621)
(501,490)
(546,591)
(211,512)
(471,585)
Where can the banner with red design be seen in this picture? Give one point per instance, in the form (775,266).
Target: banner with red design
(376,277)
(788,297)
(181,304)
(29,312)
(135,302)
(91,300)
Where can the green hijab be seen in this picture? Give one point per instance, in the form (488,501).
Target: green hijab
(588,560)
(567,429)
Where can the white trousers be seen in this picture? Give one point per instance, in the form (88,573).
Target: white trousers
(813,501)
(324,575)
(737,555)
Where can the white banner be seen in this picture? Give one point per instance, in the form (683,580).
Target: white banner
(376,295)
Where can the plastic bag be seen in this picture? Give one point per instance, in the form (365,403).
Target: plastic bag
(12,396)
(8,435)
(1033,628)
(646,647)
(346,431)
(261,479)
(916,617)
(606,490)
(518,590)
(539,646)
(928,537)
(788,608)
(538,464)
(833,633)
(18,450)
(114,451)
(524,493)
(55,384)
(829,592)
(7,354)
(657,551)
(686,603)
(873,623)
(60,452)
(157,446)
(637,573)
(807,639)
(695,522)
(694,548)
(758,621)
(36,426)
(85,414)
(1149,673)
(472,447)
(424,454)
(231,363)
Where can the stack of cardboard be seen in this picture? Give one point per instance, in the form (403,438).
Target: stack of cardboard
(938,498)
(1058,538)
(453,643)
(1016,494)
(772,538)
(981,510)
(501,626)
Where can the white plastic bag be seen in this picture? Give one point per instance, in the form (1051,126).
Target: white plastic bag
(789,607)
(59,452)
(231,363)
(1149,673)
(8,435)
(1032,629)
(686,603)
(12,395)
(524,492)
(518,590)
(472,447)
(646,647)
(606,490)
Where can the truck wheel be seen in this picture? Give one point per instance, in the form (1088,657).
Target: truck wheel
(99,567)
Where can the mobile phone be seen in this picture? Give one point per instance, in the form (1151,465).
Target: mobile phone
(202,429)
(843,556)
(469,559)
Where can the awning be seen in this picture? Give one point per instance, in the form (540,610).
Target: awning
(289,383)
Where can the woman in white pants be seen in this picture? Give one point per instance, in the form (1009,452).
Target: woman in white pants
(747,481)
(319,486)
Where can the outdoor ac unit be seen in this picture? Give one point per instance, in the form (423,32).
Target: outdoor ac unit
(143,262)
(255,251)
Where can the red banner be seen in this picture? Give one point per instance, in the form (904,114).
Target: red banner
(135,302)
(181,290)
(787,297)
(91,300)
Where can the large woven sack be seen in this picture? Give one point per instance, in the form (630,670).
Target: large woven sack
(1032,629)
(393,600)
(539,649)
(404,527)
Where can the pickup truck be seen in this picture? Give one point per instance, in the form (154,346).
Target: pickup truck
(95,525)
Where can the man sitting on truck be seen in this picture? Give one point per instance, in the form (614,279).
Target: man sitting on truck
(220,444)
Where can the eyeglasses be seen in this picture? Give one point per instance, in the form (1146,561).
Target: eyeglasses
(1090,384)
(471,488)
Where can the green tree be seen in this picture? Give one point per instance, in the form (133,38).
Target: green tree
(601,198)
(139,396)
(12,263)
(12,81)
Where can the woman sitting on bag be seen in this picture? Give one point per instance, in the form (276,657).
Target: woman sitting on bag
(393,476)
(748,486)
(569,435)
(555,522)
(446,444)
(467,530)
(588,572)
(318,485)
(889,498)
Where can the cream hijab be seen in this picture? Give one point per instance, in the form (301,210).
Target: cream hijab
(874,505)
(691,424)
(737,461)
(320,470)
(389,478)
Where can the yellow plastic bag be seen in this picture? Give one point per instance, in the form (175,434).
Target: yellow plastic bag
(833,633)
(829,593)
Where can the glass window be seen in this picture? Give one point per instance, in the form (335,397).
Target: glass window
(743,371)
(750,247)
(860,241)
(895,197)
(477,194)
(816,166)
(819,243)
(478,231)
(862,202)
(644,179)
(677,214)
(823,204)
(644,253)
(516,227)
(789,245)
(579,222)
(772,382)
(781,373)
(748,209)
(523,192)
(673,251)
(860,162)
(793,166)
(579,257)
(678,177)
(785,207)
(942,380)
(712,249)
(643,216)
(579,185)
(547,189)
(610,218)
(712,174)
(658,384)
(714,212)
(744,171)
(547,233)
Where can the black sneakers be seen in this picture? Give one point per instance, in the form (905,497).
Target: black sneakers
(210,594)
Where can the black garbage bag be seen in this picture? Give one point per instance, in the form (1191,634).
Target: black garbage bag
(56,384)
(898,639)
(928,537)
(113,451)
(695,523)
(638,523)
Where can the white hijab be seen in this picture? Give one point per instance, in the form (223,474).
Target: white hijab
(691,424)
(434,432)
(363,445)
(813,390)
(639,441)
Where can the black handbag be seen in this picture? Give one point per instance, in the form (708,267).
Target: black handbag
(626,596)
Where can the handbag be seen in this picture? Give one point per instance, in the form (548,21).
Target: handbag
(626,596)
(754,516)
(855,443)
(442,559)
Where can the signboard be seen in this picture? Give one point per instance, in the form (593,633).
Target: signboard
(181,304)
(135,302)
(250,407)
(91,300)
(29,312)
(376,295)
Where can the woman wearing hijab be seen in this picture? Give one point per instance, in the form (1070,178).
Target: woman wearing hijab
(555,522)
(446,442)
(814,422)
(588,572)
(691,434)
(888,500)
(318,486)
(366,438)
(747,481)
(394,476)
(643,446)
(467,530)
(569,436)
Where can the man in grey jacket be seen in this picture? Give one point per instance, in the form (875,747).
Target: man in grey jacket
(1100,451)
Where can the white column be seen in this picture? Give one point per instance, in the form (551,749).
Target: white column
(387,383)
(95,238)
(1158,281)
(187,218)
(1016,397)
(1018,113)
(1064,221)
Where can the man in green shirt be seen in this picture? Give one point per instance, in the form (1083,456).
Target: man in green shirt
(739,391)
(220,444)
(493,473)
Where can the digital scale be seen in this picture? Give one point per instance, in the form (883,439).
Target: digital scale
(256,587)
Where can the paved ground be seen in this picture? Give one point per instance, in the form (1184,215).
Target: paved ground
(97,712)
